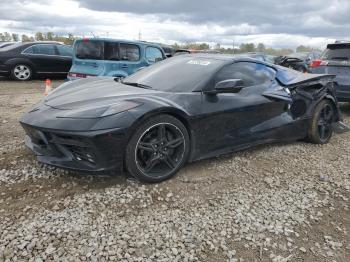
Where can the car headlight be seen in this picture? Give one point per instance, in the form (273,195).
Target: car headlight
(120,107)
(97,112)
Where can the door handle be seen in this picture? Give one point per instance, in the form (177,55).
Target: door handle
(124,66)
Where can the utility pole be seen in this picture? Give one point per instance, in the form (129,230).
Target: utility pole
(140,36)
(233,46)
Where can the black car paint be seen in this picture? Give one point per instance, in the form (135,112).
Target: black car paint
(217,124)
(40,64)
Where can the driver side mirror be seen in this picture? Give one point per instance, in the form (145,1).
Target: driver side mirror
(227,86)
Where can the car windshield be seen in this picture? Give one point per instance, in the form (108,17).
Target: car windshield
(177,74)
(337,53)
(89,49)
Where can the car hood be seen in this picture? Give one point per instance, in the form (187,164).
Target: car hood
(97,91)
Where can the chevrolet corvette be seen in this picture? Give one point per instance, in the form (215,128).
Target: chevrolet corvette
(182,109)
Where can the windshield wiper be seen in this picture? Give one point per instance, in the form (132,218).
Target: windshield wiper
(137,85)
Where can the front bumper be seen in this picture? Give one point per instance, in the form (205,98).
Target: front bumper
(93,151)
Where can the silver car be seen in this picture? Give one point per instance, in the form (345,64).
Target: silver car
(335,60)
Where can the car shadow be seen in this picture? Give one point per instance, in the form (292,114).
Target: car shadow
(91,180)
(345,108)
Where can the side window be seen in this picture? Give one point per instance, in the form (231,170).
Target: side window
(89,50)
(129,52)
(153,54)
(251,73)
(44,50)
(111,51)
(64,50)
(29,50)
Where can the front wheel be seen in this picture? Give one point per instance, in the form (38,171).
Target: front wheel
(21,72)
(158,149)
(321,130)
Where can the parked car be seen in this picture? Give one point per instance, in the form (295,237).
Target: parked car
(182,109)
(168,50)
(182,52)
(298,61)
(23,61)
(336,60)
(112,57)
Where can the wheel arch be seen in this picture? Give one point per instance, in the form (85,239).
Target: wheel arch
(177,113)
(334,103)
(15,61)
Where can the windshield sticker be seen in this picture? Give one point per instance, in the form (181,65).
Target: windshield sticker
(198,62)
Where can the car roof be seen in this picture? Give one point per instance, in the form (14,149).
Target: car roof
(227,58)
(337,44)
(119,40)
(41,42)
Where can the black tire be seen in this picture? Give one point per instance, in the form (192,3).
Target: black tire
(158,149)
(21,72)
(320,129)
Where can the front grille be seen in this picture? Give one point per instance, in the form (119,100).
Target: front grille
(37,136)
(82,154)
(61,145)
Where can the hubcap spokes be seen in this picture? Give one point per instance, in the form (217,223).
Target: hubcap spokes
(22,72)
(324,123)
(160,149)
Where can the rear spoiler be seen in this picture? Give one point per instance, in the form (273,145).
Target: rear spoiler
(301,79)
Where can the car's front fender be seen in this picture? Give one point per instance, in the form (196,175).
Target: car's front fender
(15,61)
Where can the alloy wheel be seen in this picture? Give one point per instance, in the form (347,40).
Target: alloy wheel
(22,72)
(324,123)
(160,150)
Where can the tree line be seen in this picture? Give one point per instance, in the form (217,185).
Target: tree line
(39,36)
(243,48)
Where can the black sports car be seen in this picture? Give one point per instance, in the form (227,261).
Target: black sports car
(182,109)
(23,61)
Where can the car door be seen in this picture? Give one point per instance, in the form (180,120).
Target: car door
(234,120)
(130,58)
(64,58)
(43,56)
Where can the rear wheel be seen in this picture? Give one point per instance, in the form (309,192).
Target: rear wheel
(321,130)
(21,72)
(158,149)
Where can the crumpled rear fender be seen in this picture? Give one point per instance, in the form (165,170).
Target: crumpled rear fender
(316,91)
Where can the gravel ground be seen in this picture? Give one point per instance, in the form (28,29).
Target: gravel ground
(284,202)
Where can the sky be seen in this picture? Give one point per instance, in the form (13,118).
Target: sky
(276,23)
